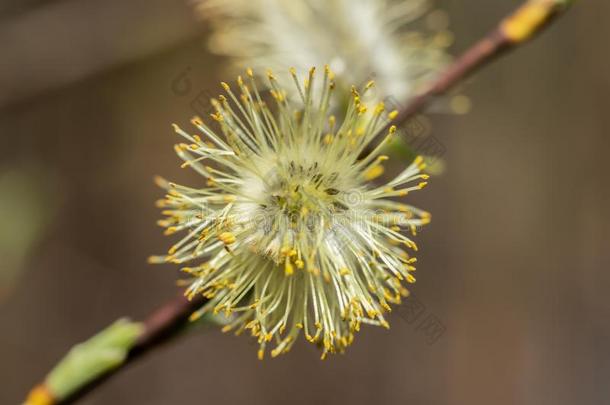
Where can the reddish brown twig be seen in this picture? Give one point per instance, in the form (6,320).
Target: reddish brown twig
(161,326)
(526,22)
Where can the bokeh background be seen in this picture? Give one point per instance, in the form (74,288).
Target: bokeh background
(514,265)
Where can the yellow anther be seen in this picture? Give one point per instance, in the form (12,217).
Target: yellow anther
(379,108)
(225,86)
(170,231)
(410,279)
(155,259)
(393,114)
(289,270)
(227,238)
(373,172)
(217,117)
(195,316)
(218,308)
(160,181)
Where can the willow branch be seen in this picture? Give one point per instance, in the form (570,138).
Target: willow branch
(166,323)
(522,25)
(161,326)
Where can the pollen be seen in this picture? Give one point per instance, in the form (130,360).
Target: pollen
(374,172)
(227,238)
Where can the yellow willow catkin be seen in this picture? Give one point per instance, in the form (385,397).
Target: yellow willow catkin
(288,234)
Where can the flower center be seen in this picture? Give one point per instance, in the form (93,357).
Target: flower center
(297,190)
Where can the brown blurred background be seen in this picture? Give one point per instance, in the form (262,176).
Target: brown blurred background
(514,265)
